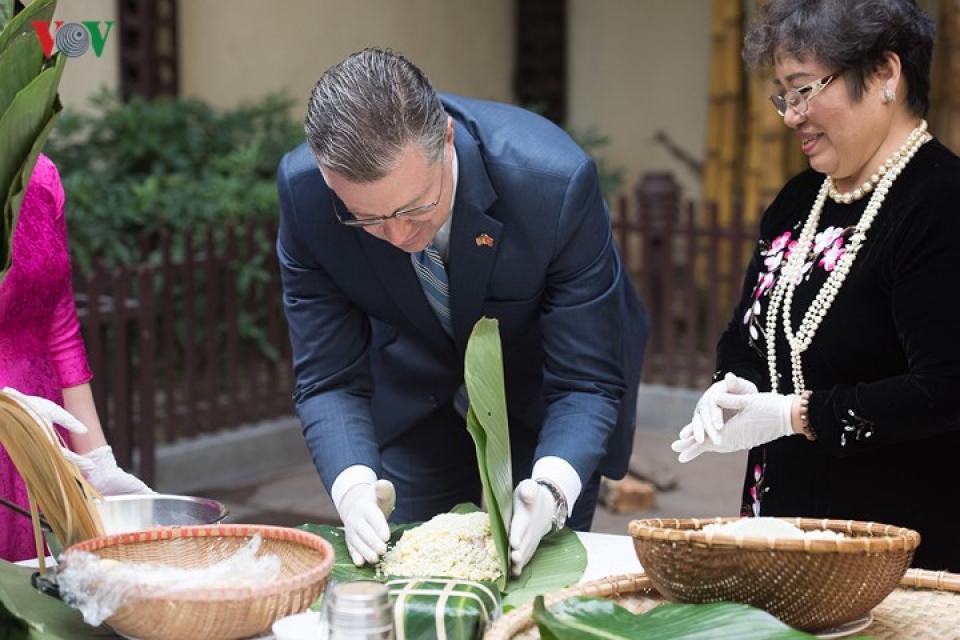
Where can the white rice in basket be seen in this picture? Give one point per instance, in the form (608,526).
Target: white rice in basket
(454,545)
(767,528)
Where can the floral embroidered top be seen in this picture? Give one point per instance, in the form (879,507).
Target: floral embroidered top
(41,349)
(884,366)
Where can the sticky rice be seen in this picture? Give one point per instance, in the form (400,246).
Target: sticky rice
(453,545)
(767,528)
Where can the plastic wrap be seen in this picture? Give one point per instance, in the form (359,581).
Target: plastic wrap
(99,587)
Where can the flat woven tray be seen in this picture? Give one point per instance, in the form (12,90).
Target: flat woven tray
(926,605)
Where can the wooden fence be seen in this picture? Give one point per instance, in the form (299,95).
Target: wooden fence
(189,345)
(189,342)
(688,267)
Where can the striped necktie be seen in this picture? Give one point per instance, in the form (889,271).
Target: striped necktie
(433,279)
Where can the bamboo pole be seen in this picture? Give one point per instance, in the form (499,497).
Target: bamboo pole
(945,94)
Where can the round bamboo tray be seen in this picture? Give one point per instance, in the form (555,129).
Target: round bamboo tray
(226,613)
(808,583)
(926,605)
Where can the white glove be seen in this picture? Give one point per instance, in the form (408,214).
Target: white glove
(46,413)
(708,417)
(364,510)
(533,507)
(99,467)
(761,418)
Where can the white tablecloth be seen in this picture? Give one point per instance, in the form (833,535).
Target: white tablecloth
(608,555)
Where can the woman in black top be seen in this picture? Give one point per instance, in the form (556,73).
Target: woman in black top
(841,366)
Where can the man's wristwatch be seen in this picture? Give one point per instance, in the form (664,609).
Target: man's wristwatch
(559,503)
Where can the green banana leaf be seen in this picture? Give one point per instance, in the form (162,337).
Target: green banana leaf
(343,568)
(582,618)
(487,424)
(558,562)
(442,608)
(27,614)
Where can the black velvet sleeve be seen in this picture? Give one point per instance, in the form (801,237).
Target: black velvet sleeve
(919,259)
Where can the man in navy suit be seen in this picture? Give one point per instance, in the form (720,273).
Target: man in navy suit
(510,208)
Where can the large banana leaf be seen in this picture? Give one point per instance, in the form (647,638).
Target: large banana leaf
(487,424)
(558,562)
(582,618)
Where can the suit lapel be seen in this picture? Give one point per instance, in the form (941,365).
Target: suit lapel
(474,238)
(395,271)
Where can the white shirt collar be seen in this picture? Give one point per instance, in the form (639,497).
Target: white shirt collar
(442,239)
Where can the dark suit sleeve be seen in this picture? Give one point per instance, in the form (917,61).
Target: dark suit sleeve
(583,321)
(330,337)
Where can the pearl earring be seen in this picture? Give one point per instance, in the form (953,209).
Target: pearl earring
(889,95)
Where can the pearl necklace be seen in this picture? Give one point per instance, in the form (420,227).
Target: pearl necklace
(867,187)
(792,272)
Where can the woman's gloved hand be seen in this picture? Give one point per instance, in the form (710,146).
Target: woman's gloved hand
(760,418)
(46,413)
(100,468)
(533,508)
(364,510)
(708,417)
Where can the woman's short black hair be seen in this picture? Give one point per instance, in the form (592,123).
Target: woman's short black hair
(848,35)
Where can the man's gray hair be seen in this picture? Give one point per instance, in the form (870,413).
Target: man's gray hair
(366,110)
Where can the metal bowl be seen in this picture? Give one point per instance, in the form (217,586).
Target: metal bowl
(124,514)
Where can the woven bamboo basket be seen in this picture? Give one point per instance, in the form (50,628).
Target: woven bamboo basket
(226,613)
(926,605)
(810,584)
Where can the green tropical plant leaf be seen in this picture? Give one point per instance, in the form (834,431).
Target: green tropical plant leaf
(19,187)
(19,64)
(582,618)
(6,12)
(27,94)
(24,126)
(488,425)
(24,120)
(23,21)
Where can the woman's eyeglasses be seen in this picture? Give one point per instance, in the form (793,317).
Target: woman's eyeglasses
(799,99)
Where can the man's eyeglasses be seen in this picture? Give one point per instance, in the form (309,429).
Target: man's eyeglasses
(799,99)
(350,220)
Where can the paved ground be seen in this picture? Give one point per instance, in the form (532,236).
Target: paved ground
(707,486)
